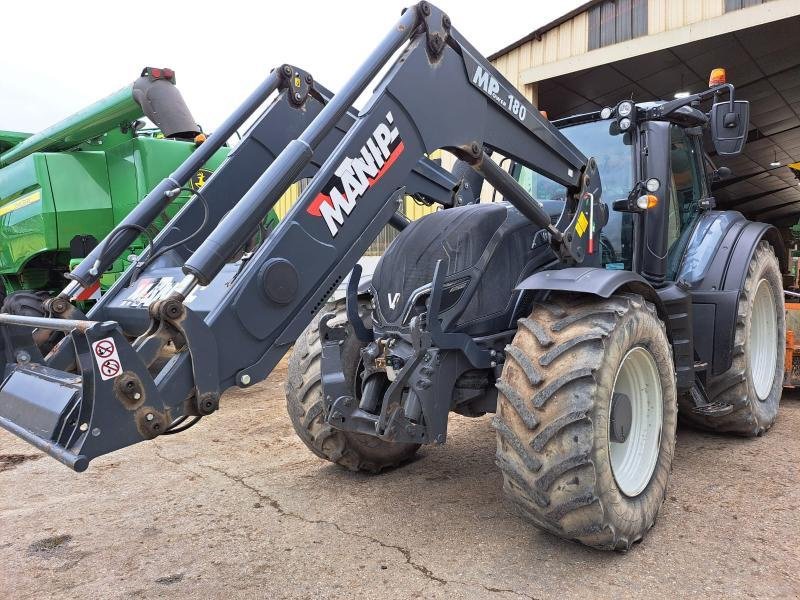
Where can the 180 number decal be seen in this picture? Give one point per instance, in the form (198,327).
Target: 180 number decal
(516,107)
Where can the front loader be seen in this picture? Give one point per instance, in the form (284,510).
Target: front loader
(563,316)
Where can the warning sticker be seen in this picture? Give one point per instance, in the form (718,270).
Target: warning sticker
(105,354)
(580,226)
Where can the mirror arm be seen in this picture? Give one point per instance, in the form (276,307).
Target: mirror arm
(673,105)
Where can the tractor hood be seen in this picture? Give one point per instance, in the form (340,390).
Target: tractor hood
(477,243)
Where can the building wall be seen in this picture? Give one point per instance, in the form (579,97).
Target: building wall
(568,39)
(571,38)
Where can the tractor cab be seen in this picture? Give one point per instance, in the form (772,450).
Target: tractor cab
(654,170)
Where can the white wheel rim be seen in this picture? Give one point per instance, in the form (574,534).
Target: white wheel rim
(634,460)
(763,343)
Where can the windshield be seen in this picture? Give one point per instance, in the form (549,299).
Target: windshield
(614,156)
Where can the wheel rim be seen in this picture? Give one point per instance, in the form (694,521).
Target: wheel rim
(763,340)
(633,460)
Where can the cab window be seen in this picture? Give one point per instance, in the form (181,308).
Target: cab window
(685,192)
(614,156)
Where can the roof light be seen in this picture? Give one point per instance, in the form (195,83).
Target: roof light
(717,77)
(624,124)
(543,113)
(199,138)
(605,113)
(625,108)
(646,201)
(679,95)
(775,162)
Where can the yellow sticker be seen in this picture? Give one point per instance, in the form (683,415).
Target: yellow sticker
(20,202)
(297,82)
(580,226)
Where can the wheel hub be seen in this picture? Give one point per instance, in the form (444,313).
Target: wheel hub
(621,418)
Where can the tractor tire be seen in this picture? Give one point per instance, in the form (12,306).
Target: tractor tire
(26,303)
(29,303)
(566,466)
(354,451)
(746,397)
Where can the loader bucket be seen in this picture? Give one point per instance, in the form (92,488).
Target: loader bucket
(56,410)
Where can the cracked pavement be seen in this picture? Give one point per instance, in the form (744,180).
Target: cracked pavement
(236,507)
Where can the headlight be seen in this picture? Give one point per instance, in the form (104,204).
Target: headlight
(625,109)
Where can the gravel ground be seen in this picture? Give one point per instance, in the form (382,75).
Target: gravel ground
(238,508)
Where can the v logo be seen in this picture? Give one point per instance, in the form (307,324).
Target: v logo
(393,300)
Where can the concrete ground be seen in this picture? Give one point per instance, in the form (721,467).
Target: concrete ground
(238,508)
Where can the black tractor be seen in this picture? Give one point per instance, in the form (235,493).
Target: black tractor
(587,317)
(588,369)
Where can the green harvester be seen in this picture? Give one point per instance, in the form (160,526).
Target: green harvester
(66,187)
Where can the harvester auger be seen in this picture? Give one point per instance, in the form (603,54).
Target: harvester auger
(574,318)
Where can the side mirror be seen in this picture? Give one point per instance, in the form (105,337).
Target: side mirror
(729,123)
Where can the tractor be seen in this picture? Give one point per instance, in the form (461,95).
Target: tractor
(603,298)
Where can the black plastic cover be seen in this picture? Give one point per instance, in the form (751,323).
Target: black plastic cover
(486,249)
(458,236)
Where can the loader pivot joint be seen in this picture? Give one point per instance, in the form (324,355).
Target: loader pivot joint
(129,390)
(57,305)
(297,83)
(208,403)
(170,309)
(437,27)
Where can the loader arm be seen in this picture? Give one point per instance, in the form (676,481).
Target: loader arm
(213,323)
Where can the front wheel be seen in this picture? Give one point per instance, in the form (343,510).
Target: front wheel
(30,303)
(354,451)
(586,419)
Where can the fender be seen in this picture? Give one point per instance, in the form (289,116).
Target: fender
(368,264)
(596,281)
(672,303)
(714,268)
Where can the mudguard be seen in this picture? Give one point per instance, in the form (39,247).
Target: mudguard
(714,268)
(368,264)
(591,280)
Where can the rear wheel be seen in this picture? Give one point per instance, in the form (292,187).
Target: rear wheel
(745,398)
(586,418)
(355,451)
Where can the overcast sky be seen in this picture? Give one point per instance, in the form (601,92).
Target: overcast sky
(59,56)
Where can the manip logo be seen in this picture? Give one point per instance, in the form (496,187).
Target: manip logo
(354,176)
